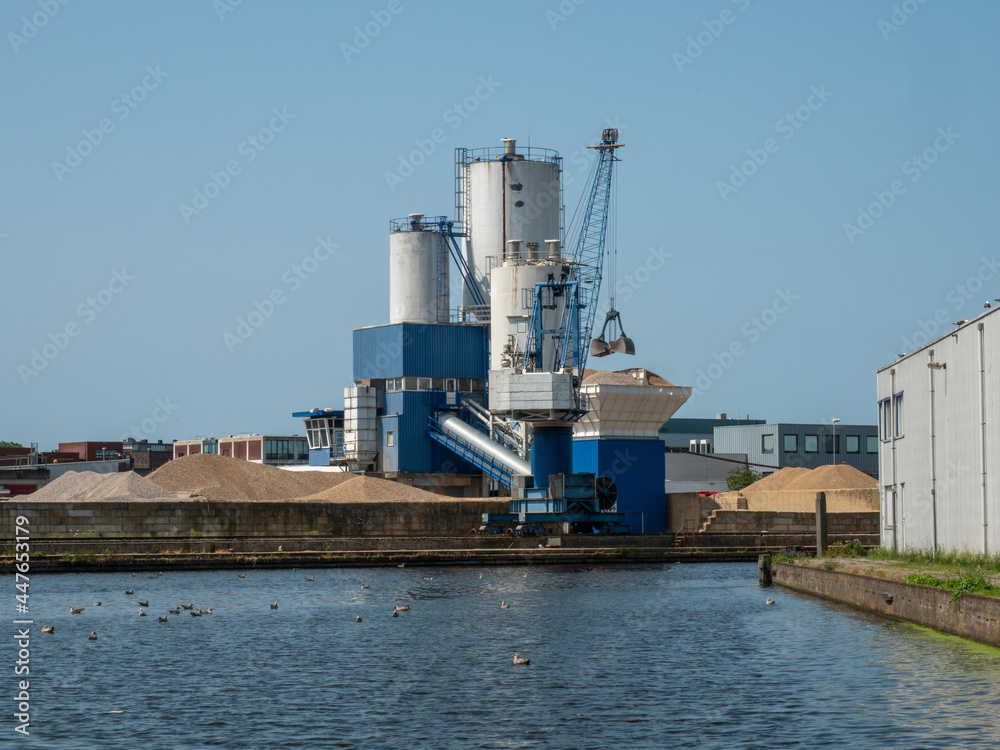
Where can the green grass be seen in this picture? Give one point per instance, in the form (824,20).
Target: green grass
(945,561)
(973,582)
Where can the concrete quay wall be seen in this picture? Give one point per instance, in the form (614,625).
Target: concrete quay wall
(970,616)
(242,519)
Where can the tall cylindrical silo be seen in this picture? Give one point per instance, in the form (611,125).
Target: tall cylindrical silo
(509,195)
(418,273)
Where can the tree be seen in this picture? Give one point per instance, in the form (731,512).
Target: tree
(741,476)
(9,444)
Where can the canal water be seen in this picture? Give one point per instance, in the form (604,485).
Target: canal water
(644,656)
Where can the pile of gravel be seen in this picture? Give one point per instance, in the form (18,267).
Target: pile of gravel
(360,489)
(88,486)
(225,479)
(623,377)
(833,477)
(779,480)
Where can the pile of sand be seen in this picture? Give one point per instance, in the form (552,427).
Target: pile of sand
(622,377)
(779,480)
(88,486)
(224,479)
(221,478)
(833,477)
(359,488)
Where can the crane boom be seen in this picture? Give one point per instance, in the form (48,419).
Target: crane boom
(587,259)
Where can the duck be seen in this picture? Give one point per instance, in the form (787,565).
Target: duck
(395,613)
(519,660)
(404,608)
(48,629)
(129,592)
(274,606)
(401,565)
(357,618)
(176,611)
(196,613)
(188,606)
(429,579)
(75,610)
(162,619)
(92,636)
(205,611)
(242,575)
(142,612)
(97,604)
(365,586)
(504,605)
(310,578)
(144,604)
(769,601)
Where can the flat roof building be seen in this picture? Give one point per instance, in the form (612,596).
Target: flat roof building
(939,441)
(770,447)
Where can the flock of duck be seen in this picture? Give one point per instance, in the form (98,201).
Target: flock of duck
(518,660)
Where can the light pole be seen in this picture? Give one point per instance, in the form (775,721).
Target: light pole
(835,452)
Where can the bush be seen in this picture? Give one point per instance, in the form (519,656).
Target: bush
(740,477)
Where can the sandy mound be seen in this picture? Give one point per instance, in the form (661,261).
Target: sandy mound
(779,480)
(221,478)
(74,486)
(622,377)
(833,477)
(359,488)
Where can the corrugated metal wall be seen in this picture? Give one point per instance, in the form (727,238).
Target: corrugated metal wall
(422,350)
(933,487)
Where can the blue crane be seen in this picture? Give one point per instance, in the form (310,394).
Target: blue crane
(587,261)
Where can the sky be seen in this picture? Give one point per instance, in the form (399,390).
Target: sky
(805,192)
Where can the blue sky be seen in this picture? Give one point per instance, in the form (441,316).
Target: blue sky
(805,190)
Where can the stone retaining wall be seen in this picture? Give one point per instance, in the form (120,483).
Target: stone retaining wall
(783,522)
(238,519)
(970,616)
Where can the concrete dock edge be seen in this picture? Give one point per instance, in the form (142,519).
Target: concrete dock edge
(970,616)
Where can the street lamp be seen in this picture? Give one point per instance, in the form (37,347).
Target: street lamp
(835,452)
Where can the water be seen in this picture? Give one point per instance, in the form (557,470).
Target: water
(656,656)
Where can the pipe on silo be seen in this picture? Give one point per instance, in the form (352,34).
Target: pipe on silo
(513,251)
(553,251)
(509,146)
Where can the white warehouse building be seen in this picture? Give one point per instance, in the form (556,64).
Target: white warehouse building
(939,442)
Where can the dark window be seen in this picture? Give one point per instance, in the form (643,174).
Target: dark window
(812,443)
(791,443)
(852,443)
(767,443)
(829,444)
(897,407)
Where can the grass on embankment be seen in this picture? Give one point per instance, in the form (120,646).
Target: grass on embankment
(958,572)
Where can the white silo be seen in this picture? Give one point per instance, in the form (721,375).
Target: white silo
(513,285)
(418,272)
(508,195)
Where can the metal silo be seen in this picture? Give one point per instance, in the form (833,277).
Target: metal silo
(510,307)
(505,194)
(418,272)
